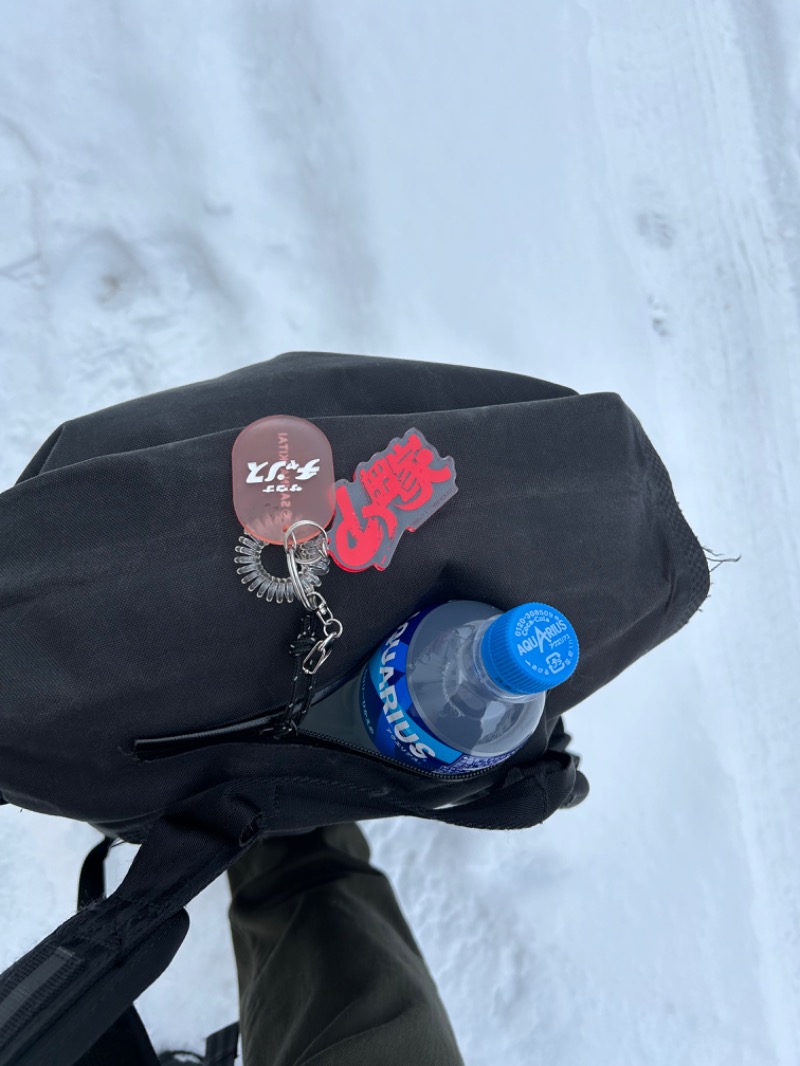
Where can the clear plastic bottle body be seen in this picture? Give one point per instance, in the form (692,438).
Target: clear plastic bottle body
(426,699)
(454,694)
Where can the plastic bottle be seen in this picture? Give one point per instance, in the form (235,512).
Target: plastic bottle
(456,688)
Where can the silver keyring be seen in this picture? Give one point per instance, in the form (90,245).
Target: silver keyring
(299,588)
(293,527)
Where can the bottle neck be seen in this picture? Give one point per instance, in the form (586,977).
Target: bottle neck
(494,691)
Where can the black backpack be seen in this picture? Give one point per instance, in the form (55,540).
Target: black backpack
(123,619)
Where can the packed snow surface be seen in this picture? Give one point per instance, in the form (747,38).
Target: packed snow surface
(599,194)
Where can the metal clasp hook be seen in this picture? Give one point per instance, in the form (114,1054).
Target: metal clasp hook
(313,601)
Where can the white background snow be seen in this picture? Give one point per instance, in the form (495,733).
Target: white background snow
(602,194)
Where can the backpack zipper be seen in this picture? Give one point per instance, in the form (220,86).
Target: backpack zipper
(149,748)
(145,748)
(339,744)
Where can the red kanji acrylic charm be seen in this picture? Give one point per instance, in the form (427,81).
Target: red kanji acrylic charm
(396,490)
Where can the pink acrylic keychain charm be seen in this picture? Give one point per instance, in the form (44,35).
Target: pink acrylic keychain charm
(282,472)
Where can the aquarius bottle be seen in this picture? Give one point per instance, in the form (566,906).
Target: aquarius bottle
(455,688)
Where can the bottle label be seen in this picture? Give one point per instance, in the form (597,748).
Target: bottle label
(393,722)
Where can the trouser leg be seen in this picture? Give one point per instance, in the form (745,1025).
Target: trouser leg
(329,971)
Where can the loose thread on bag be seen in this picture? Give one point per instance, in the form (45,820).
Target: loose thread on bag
(719,560)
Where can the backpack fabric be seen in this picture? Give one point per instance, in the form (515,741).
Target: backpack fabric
(122,619)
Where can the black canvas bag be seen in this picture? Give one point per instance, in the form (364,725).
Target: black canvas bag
(122,618)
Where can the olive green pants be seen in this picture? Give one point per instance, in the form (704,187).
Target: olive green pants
(329,971)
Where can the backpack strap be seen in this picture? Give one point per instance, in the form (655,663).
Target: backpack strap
(59,999)
(126,1042)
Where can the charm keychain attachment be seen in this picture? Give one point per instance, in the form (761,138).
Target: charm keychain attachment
(283,482)
(313,600)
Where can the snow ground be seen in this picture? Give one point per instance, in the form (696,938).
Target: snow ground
(601,194)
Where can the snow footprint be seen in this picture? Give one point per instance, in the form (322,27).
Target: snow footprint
(158,281)
(655,228)
(183,269)
(653,217)
(99,274)
(654,223)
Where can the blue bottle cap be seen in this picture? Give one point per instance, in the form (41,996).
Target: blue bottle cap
(531,648)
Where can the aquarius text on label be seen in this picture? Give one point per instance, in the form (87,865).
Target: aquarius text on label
(403,730)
